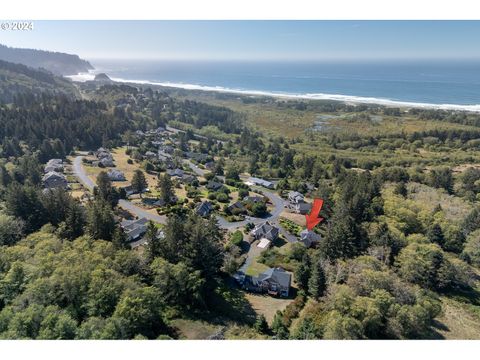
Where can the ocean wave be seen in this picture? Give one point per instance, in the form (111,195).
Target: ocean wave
(82,77)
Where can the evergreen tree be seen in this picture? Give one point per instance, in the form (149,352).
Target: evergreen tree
(435,235)
(261,325)
(317,283)
(166,188)
(302,273)
(100,220)
(153,247)
(278,326)
(119,238)
(139,183)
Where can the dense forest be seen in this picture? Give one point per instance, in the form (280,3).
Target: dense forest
(55,62)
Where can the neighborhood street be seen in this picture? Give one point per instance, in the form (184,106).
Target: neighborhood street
(277,202)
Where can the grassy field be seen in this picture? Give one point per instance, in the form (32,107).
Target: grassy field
(458,321)
(267,305)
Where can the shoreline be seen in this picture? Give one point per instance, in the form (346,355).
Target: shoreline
(84,77)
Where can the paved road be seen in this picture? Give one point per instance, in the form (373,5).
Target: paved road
(277,202)
(127,205)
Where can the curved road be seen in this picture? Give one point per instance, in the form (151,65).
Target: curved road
(127,205)
(276,200)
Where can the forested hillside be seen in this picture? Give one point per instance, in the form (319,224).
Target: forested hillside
(55,62)
(18,79)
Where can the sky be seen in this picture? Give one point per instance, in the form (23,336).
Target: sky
(254,40)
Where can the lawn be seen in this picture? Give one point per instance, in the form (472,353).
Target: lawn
(458,321)
(267,305)
(194,329)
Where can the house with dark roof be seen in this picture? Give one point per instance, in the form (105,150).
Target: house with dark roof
(302,208)
(309,238)
(175,172)
(210,165)
(188,179)
(116,175)
(236,208)
(54,180)
(204,208)
(54,165)
(265,230)
(134,229)
(214,185)
(274,281)
(254,199)
(198,157)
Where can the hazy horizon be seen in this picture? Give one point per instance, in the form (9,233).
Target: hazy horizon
(255,40)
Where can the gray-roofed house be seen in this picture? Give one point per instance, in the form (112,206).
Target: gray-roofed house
(150,155)
(254,199)
(308,238)
(302,208)
(188,179)
(175,172)
(204,208)
(54,165)
(214,185)
(116,175)
(295,197)
(265,230)
(261,182)
(54,180)
(134,229)
(236,208)
(210,165)
(274,281)
(106,162)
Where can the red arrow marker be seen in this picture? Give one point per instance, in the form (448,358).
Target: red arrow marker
(313,219)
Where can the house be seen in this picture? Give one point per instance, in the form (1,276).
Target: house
(265,230)
(204,208)
(134,229)
(254,199)
(54,180)
(116,175)
(308,238)
(106,162)
(214,185)
(236,208)
(302,208)
(198,157)
(210,165)
(260,182)
(154,202)
(54,165)
(188,179)
(295,197)
(274,281)
(150,155)
(175,172)
(102,153)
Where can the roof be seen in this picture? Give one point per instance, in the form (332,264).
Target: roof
(303,206)
(264,243)
(254,199)
(236,205)
(214,185)
(266,230)
(295,196)
(53,175)
(278,275)
(307,235)
(115,174)
(175,172)
(204,208)
(261,182)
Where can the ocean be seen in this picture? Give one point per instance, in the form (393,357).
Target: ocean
(437,84)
